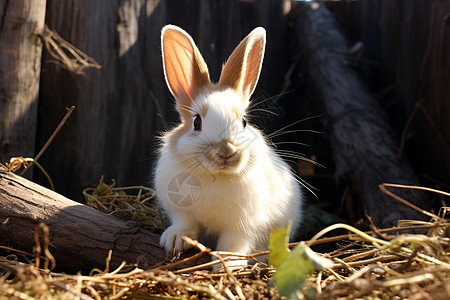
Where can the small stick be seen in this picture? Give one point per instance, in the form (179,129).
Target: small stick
(376,230)
(108,259)
(415,187)
(187,259)
(383,188)
(48,255)
(15,250)
(50,140)
(361,255)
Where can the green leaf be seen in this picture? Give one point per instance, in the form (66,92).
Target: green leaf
(278,245)
(319,262)
(294,269)
(292,272)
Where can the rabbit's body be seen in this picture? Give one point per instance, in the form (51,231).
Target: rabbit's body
(227,180)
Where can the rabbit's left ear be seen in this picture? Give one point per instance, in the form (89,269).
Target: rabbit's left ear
(184,68)
(241,71)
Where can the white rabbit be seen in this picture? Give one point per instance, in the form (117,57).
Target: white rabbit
(215,172)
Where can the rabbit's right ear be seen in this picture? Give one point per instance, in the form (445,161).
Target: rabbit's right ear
(241,71)
(184,68)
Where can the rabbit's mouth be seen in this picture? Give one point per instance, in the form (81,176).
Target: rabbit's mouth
(231,164)
(227,158)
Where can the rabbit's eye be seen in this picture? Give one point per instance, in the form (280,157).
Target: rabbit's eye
(198,123)
(244,122)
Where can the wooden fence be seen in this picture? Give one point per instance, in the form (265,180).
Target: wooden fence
(121,107)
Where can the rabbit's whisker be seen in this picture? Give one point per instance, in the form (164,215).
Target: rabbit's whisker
(288,142)
(187,108)
(266,111)
(305,184)
(255,104)
(279,133)
(293,154)
(294,123)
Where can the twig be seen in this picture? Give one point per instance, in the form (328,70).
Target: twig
(407,203)
(183,261)
(15,250)
(48,255)
(108,259)
(361,255)
(376,229)
(50,140)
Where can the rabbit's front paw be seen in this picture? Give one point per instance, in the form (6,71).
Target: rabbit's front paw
(171,238)
(232,265)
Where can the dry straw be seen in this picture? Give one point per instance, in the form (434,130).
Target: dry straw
(66,54)
(380,264)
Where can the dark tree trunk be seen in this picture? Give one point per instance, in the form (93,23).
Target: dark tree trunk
(364,146)
(80,236)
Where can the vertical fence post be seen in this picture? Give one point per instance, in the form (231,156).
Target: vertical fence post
(21,22)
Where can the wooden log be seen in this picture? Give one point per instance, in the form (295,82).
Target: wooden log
(421,74)
(21,22)
(364,146)
(80,236)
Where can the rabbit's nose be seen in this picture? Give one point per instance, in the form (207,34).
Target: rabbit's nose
(226,150)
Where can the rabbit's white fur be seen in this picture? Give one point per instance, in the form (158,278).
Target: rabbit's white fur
(246,189)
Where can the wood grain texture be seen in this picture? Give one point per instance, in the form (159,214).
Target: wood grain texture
(122,108)
(364,146)
(80,236)
(410,40)
(21,22)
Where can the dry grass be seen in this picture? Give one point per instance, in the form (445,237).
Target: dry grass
(135,202)
(66,54)
(405,266)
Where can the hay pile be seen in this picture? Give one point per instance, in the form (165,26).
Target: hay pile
(390,266)
(135,202)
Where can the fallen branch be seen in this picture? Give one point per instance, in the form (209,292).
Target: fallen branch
(80,236)
(364,145)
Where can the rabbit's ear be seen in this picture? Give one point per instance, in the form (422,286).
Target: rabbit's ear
(184,68)
(241,71)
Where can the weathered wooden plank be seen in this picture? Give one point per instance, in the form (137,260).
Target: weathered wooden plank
(21,22)
(121,108)
(118,108)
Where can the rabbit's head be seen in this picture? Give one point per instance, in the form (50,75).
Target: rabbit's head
(214,135)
